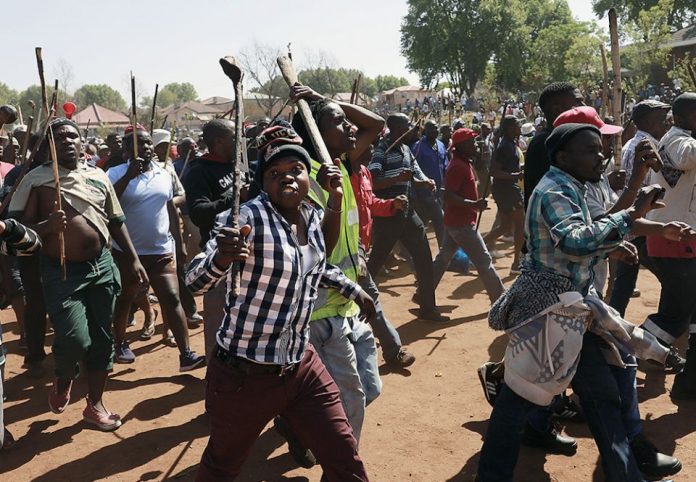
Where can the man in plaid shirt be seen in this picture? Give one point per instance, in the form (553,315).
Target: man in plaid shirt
(264,365)
(565,242)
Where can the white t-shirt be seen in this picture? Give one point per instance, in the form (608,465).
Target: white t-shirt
(144,203)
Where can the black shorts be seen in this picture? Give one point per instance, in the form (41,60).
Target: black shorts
(508,197)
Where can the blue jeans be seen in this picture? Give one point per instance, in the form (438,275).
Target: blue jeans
(347,349)
(599,395)
(677,308)
(501,444)
(626,382)
(429,208)
(470,240)
(384,331)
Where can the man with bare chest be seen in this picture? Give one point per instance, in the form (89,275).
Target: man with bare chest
(81,305)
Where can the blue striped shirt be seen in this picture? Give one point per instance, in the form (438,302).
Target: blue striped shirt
(268,322)
(561,235)
(392,164)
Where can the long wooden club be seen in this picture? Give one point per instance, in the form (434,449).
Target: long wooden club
(232,70)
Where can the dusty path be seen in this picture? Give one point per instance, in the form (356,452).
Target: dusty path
(426,427)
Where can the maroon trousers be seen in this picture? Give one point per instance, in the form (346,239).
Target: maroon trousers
(241,405)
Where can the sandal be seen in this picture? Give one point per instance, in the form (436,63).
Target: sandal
(148,330)
(168,338)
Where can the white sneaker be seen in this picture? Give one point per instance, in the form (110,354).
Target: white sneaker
(496,254)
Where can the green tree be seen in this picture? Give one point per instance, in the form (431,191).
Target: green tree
(31,93)
(8,95)
(455,39)
(100,94)
(583,62)
(543,32)
(386,82)
(681,13)
(645,35)
(176,93)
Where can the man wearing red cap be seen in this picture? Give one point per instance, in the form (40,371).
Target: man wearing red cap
(462,205)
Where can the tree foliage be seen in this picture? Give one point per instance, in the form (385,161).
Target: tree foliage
(176,93)
(7,94)
(31,93)
(100,94)
(526,41)
(455,39)
(645,35)
(681,13)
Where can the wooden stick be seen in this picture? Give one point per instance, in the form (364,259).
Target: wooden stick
(357,89)
(134,114)
(616,67)
(39,64)
(186,161)
(279,112)
(27,136)
(89,121)
(58,202)
(19,113)
(402,136)
(234,73)
(605,85)
(154,108)
(54,107)
(288,71)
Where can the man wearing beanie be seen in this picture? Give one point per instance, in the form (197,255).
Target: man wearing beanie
(264,365)
(547,300)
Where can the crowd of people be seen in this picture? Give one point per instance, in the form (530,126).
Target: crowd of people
(290,284)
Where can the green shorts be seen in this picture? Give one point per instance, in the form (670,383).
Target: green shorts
(81,308)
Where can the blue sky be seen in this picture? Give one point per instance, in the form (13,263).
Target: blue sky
(180,40)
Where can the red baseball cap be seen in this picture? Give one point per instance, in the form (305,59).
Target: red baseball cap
(463,134)
(587,115)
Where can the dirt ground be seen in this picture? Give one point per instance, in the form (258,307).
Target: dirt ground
(426,426)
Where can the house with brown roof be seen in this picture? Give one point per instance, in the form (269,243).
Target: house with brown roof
(96,116)
(397,97)
(190,115)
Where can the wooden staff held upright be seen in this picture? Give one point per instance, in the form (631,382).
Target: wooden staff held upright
(616,67)
(58,202)
(232,70)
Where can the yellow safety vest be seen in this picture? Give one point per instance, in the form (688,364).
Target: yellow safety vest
(345,255)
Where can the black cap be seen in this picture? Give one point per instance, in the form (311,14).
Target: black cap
(562,134)
(684,104)
(645,107)
(509,120)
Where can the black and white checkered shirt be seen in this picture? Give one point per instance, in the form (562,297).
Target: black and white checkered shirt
(268,321)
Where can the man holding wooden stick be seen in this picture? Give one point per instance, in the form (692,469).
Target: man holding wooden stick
(146,192)
(81,306)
